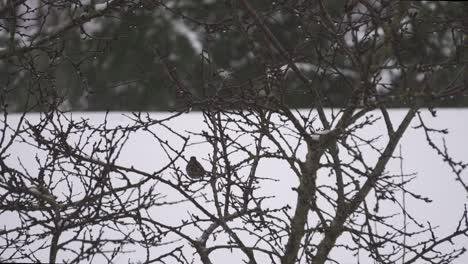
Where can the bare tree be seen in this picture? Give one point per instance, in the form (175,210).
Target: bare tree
(80,200)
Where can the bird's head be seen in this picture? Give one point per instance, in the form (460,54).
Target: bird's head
(193,158)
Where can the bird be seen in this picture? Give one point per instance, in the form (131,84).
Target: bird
(194,169)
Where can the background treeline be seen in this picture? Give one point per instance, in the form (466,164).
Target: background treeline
(114,60)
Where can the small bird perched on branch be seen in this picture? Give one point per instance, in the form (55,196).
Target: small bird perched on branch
(194,169)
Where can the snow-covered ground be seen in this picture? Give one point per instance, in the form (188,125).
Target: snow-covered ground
(434,180)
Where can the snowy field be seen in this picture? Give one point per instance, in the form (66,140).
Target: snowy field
(434,178)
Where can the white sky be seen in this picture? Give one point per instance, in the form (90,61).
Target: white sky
(434,177)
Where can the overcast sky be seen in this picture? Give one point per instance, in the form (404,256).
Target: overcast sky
(434,178)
